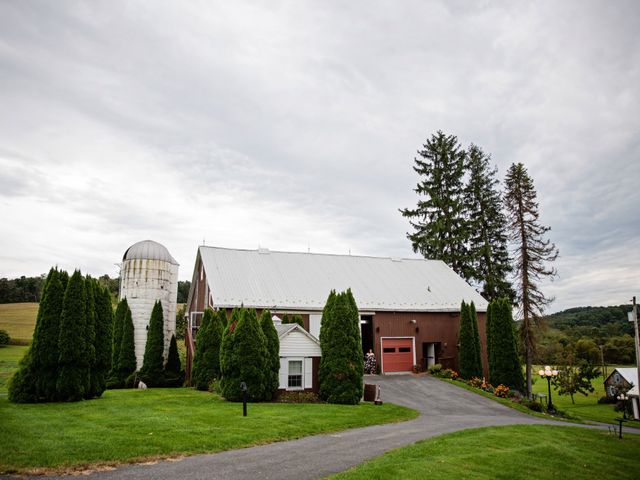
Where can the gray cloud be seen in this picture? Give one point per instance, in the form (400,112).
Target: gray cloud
(295,124)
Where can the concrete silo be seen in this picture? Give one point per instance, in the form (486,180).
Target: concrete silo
(149,273)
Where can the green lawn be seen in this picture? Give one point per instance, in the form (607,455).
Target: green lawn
(129,425)
(585,408)
(19,320)
(514,452)
(10,355)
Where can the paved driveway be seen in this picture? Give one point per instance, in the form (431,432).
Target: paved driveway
(444,408)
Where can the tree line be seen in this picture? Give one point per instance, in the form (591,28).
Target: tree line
(483,234)
(29,289)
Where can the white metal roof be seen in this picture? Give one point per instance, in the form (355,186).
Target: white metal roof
(148,250)
(268,279)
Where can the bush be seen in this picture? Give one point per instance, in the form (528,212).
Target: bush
(297,397)
(476,382)
(606,400)
(501,391)
(4,337)
(533,405)
(435,369)
(152,369)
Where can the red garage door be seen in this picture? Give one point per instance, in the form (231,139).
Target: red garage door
(397,354)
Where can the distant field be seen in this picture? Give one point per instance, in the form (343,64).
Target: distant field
(19,320)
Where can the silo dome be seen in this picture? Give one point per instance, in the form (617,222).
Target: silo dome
(149,250)
(149,273)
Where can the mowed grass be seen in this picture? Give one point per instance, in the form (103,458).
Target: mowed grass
(514,452)
(10,355)
(586,408)
(129,425)
(19,320)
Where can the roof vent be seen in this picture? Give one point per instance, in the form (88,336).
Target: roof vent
(263,251)
(276,320)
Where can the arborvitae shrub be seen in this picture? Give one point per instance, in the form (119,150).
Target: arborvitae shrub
(341,368)
(152,369)
(285,319)
(251,351)
(118,325)
(91,386)
(206,363)
(198,375)
(273,353)
(173,375)
(127,358)
(44,347)
(467,359)
(490,349)
(229,363)
(507,369)
(476,340)
(74,365)
(104,339)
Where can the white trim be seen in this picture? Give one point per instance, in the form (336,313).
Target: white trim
(382,352)
(297,327)
(295,359)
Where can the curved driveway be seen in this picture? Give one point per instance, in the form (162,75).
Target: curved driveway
(444,408)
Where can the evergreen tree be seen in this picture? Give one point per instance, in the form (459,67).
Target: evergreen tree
(440,228)
(325,321)
(118,325)
(273,353)
(64,279)
(250,350)
(206,363)
(199,377)
(506,365)
(91,386)
(297,318)
(229,362)
(173,358)
(38,368)
(152,369)
(467,354)
(531,255)
(490,265)
(476,340)
(490,335)
(44,347)
(73,362)
(104,339)
(127,358)
(341,365)
(285,319)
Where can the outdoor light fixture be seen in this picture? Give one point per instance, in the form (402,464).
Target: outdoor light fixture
(623,397)
(549,374)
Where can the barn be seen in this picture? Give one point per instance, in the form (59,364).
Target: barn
(409,308)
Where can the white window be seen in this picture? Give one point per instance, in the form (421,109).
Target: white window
(295,374)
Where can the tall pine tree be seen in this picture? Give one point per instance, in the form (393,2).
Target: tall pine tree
(73,362)
(488,251)
(273,353)
(440,227)
(532,254)
(152,369)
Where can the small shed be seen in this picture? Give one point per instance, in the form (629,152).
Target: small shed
(620,380)
(299,358)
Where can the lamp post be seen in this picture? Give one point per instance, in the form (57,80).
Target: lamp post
(623,397)
(549,374)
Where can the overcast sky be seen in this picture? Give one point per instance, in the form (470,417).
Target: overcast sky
(294,125)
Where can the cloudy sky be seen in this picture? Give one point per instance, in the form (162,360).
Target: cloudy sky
(293,126)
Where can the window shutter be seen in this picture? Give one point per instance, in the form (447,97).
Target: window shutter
(308,372)
(284,373)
